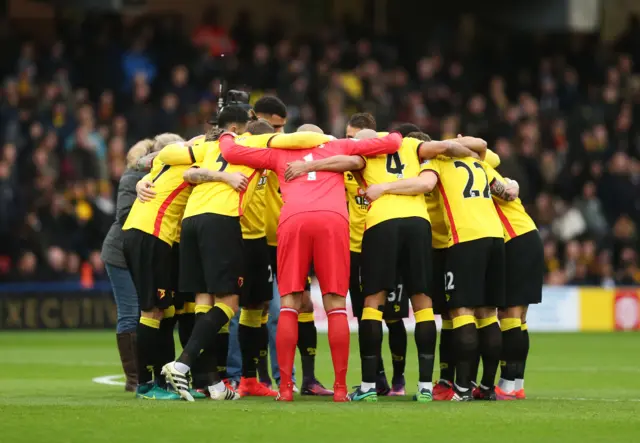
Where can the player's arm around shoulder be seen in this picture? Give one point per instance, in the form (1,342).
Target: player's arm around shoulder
(336,163)
(450,148)
(499,186)
(299,140)
(389,144)
(241,155)
(184,153)
(196,175)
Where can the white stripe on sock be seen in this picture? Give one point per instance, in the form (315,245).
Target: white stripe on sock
(289,310)
(337,311)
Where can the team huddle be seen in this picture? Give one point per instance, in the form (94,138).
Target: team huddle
(426,222)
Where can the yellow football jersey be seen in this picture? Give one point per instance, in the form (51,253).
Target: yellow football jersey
(390,168)
(514,218)
(358,206)
(253,220)
(273,206)
(219,197)
(439,230)
(161,216)
(465,195)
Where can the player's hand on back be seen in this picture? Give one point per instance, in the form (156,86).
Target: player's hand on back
(238,181)
(144,191)
(512,190)
(374,192)
(295,169)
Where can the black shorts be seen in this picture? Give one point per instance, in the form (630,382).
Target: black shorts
(273,253)
(211,255)
(394,250)
(258,282)
(149,261)
(179,298)
(474,274)
(524,269)
(438,294)
(397,306)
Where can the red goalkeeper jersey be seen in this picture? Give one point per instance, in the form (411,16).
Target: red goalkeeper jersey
(315,191)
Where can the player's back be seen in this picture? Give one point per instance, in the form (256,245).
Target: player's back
(390,168)
(219,197)
(465,196)
(315,191)
(161,215)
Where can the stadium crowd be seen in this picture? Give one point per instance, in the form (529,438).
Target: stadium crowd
(563,114)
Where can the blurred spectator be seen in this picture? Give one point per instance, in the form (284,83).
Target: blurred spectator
(566,125)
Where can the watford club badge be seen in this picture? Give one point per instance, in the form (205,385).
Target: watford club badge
(161,293)
(240,281)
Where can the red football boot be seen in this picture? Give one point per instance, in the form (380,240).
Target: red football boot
(250,387)
(286,392)
(340,393)
(443,391)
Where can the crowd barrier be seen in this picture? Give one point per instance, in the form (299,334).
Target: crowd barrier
(25,306)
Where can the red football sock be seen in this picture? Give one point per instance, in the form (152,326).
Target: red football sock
(339,336)
(286,341)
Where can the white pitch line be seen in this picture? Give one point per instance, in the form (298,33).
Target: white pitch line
(109,380)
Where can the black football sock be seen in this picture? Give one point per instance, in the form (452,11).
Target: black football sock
(447,364)
(263,361)
(249,338)
(490,345)
(370,339)
(307,344)
(523,354)
(148,336)
(426,336)
(186,321)
(465,341)
(398,348)
(198,375)
(222,351)
(512,338)
(167,345)
(205,331)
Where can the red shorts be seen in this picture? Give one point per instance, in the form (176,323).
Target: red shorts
(321,237)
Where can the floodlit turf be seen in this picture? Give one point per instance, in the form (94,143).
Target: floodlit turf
(582,388)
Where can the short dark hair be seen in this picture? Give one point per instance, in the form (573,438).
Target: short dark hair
(420,136)
(269,105)
(362,120)
(406,128)
(259,127)
(232,114)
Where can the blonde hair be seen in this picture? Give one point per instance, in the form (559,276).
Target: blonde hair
(139,150)
(162,140)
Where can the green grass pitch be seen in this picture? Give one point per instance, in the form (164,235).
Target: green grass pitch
(581,388)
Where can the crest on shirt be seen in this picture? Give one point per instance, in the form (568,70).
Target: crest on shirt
(240,281)
(161,293)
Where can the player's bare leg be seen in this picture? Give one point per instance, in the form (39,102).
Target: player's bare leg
(465,342)
(339,338)
(286,341)
(443,390)
(204,336)
(490,346)
(307,345)
(512,344)
(426,336)
(251,341)
(370,338)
